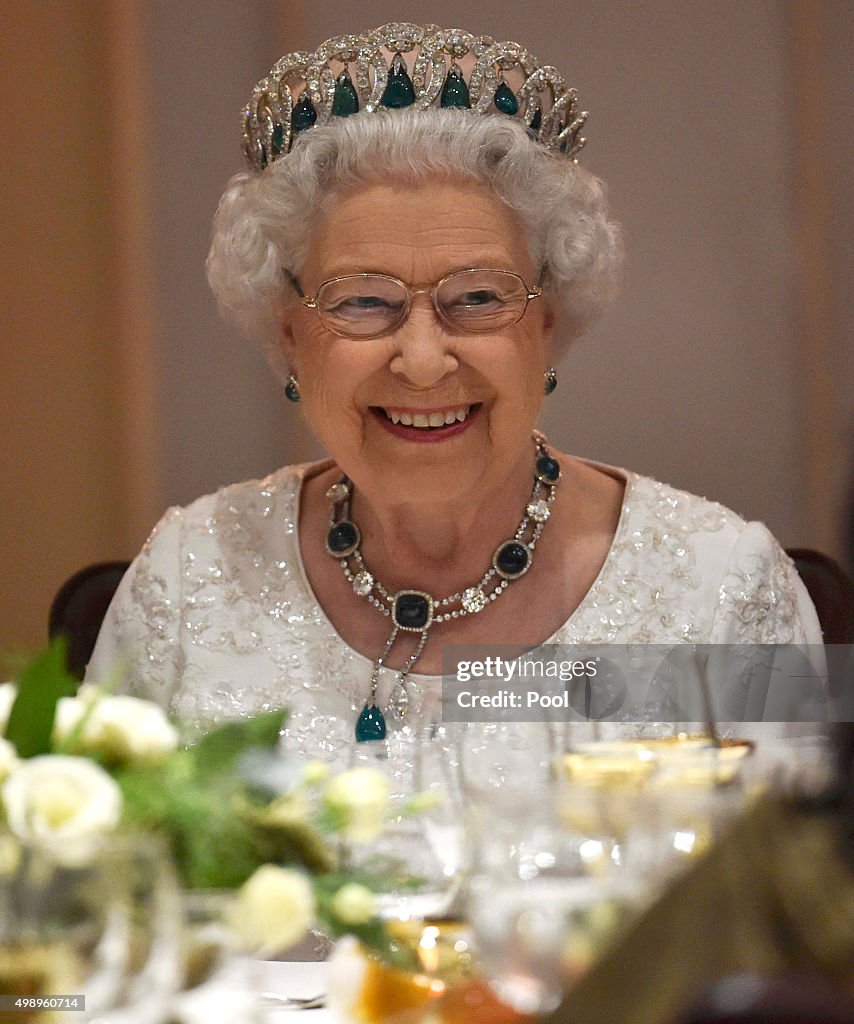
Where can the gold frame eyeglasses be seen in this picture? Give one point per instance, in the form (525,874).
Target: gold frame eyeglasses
(477,323)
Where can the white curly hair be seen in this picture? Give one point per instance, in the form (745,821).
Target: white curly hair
(263,224)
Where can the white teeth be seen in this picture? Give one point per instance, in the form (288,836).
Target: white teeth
(433,419)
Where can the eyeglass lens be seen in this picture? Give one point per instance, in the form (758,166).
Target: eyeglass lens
(472,300)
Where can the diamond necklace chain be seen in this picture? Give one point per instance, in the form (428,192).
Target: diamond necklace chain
(415,611)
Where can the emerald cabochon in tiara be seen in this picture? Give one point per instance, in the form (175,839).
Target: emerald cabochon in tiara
(352,75)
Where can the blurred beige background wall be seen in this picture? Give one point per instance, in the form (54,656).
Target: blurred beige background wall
(722,127)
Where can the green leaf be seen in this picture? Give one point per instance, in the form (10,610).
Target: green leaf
(40,686)
(219,750)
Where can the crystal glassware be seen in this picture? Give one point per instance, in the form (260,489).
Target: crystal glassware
(103,926)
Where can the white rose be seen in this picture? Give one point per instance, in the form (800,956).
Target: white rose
(61,803)
(8,759)
(354,904)
(8,693)
(69,711)
(272,910)
(358,800)
(125,729)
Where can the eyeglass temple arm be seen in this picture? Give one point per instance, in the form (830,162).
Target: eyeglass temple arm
(537,290)
(298,288)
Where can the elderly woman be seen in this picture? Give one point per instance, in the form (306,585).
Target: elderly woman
(416,244)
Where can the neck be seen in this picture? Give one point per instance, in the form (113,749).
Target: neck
(442,544)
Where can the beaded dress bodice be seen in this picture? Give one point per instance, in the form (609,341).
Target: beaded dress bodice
(216,617)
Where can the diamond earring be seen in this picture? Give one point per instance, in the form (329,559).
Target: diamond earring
(292,392)
(549,380)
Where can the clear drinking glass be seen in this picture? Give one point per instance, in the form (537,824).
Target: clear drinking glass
(104,927)
(419,852)
(544,902)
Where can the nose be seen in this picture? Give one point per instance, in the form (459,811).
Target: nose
(424,355)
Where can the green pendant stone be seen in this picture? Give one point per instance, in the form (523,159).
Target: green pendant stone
(537,120)
(505,99)
(346,100)
(370,725)
(399,91)
(304,115)
(278,138)
(455,92)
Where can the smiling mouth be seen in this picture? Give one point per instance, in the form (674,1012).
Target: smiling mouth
(413,423)
(429,420)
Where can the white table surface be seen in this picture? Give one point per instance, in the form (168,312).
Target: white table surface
(231,998)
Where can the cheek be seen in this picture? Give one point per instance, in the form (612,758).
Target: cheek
(521,376)
(331,374)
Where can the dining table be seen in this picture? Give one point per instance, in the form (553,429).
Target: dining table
(243,994)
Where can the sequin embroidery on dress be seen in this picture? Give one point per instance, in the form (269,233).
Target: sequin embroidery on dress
(217,619)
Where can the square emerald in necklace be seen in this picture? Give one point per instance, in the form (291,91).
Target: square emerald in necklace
(412,609)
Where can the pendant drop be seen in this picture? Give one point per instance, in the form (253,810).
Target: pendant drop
(455,92)
(505,99)
(370,725)
(399,91)
(399,700)
(345,100)
(304,115)
(278,140)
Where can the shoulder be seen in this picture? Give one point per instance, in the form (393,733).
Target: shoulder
(247,499)
(683,568)
(236,511)
(746,576)
(668,506)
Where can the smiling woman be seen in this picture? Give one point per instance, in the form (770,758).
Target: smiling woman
(413,243)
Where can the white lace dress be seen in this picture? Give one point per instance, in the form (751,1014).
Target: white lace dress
(216,618)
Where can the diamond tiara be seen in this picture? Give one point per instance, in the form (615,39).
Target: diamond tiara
(306,89)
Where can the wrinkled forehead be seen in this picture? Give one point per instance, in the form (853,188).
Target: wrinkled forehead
(417,232)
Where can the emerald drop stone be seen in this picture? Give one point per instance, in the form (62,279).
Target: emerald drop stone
(505,99)
(370,725)
(399,91)
(304,115)
(278,138)
(346,100)
(537,120)
(455,92)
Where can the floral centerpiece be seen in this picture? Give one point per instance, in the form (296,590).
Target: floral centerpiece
(76,765)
